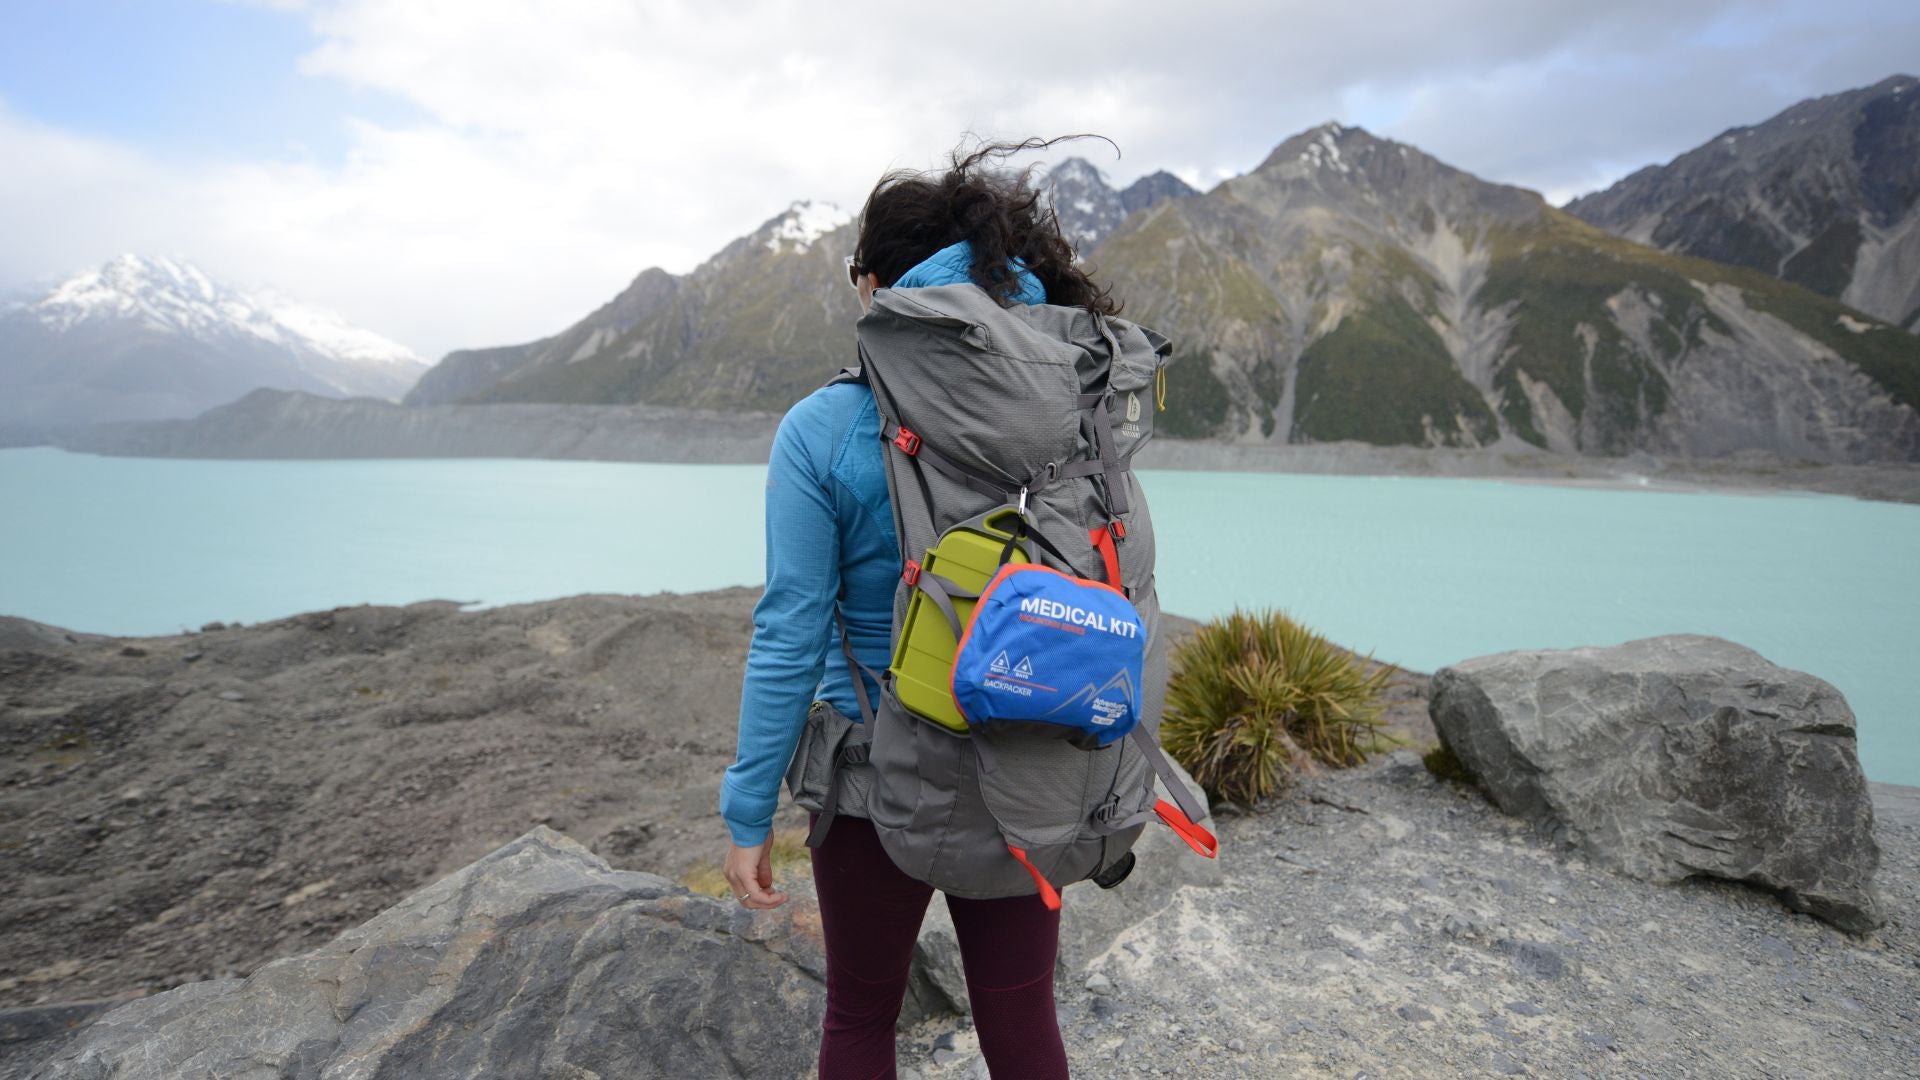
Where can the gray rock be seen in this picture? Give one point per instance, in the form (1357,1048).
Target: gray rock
(1399,767)
(1537,960)
(536,960)
(1092,917)
(936,981)
(1675,756)
(34,1031)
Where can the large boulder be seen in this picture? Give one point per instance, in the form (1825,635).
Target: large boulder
(1675,756)
(1091,918)
(536,961)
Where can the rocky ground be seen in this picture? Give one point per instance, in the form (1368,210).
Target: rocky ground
(190,806)
(1380,923)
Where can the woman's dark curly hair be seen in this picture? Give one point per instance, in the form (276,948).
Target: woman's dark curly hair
(909,215)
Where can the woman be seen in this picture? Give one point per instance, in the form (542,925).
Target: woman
(830,535)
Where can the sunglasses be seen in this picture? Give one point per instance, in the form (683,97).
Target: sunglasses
(854,271)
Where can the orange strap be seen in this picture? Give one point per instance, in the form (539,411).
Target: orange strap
(1102,537)
(1197,837)
(1048,894)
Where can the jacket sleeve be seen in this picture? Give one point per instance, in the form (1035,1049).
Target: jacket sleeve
(791,623)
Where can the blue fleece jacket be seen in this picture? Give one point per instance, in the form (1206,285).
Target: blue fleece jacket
(829,526)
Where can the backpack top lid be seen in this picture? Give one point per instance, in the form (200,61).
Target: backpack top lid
(997,389)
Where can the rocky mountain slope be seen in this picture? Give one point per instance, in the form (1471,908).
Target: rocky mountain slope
(153,338)
(1349,288)
(1825,195)
(466,371)
(1352,287)
(755,327)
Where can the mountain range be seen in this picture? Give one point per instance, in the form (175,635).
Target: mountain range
(1749,295)
(1089,208)
(749,328)
(149,338)
(1349,287)
(1822,195)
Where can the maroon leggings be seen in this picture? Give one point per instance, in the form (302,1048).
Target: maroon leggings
(870,915)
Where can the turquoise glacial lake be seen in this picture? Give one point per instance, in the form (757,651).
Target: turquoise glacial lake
(1420,571)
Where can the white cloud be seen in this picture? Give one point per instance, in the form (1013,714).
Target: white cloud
(564,147)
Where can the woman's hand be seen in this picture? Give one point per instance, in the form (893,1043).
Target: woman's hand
(750,873)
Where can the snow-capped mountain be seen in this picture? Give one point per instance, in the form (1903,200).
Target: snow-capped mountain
(1090,209)
(146,338)
(803,223)
(751,327)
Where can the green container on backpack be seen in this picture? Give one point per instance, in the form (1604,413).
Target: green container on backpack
(967,555)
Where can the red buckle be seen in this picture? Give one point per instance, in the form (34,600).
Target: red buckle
(912,573)
(1118,528)
(908,442)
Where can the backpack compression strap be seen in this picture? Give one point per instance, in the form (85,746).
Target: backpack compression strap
(1107,466)
(1181,818)
(1183,814)
(846,753)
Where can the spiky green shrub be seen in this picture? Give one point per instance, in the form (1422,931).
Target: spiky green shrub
(1256,697)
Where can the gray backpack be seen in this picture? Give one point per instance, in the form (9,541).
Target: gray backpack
(1038,408)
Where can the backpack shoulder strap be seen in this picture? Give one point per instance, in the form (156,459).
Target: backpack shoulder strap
(854,374)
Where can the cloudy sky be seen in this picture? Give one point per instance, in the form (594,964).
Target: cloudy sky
(459,173)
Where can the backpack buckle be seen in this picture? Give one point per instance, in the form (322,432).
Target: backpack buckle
(1117,529)
(907,441)
(911,575)
(1116,873)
